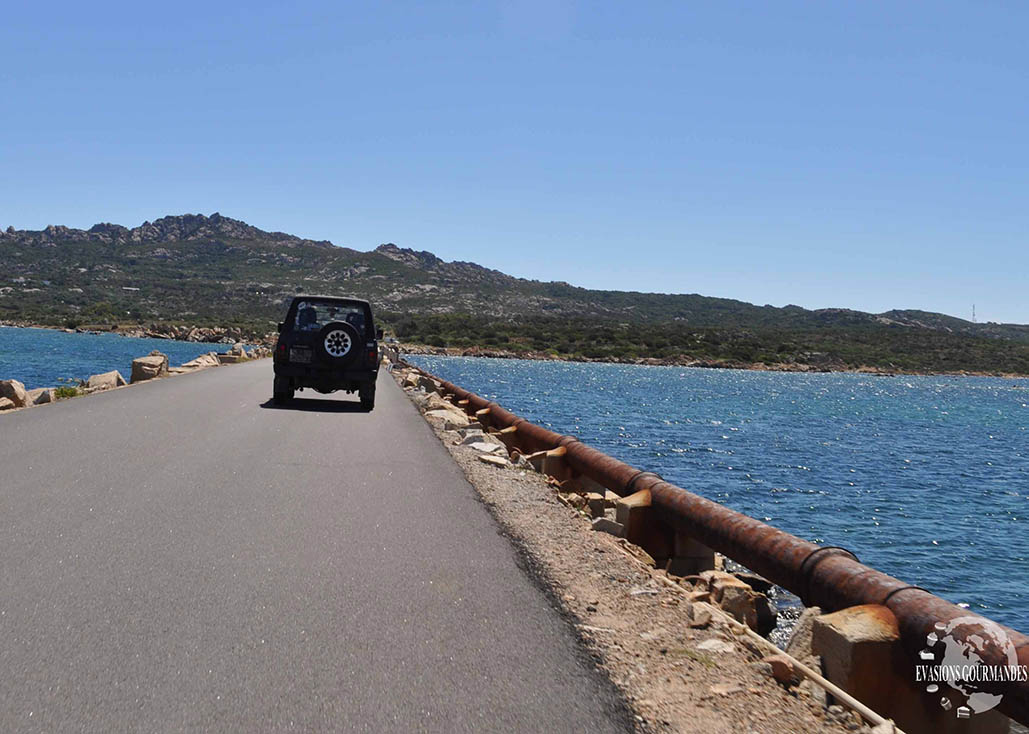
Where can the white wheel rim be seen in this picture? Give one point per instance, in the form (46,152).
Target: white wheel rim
(337,343)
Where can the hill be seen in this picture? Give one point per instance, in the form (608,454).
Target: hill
(199,270)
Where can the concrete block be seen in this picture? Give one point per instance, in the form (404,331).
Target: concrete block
(595,501)
(554,464)
(602,524)
(689,557)
(642,528)
(861,653)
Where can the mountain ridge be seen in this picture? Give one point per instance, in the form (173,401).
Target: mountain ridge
(214,269)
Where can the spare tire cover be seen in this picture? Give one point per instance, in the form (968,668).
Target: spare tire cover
(339,343)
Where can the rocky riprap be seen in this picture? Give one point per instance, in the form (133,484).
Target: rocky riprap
(13,393)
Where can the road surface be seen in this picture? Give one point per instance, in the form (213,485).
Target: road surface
(182,556)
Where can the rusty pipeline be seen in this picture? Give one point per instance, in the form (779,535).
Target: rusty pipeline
(825,576)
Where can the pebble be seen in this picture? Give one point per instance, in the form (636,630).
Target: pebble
(715,645)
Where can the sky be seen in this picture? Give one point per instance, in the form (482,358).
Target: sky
(867,155)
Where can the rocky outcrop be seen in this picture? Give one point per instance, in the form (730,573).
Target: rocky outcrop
(105,381)
(180,228)
(6,404)
(15,392)
(149,367)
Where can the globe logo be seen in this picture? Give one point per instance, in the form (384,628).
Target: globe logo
(960,649)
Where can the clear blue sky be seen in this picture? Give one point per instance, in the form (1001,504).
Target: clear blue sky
(870,155)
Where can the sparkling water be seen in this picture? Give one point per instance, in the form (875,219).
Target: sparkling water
(42,357)
(924,478)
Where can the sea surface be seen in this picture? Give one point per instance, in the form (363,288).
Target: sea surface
(924,478)
(44,357)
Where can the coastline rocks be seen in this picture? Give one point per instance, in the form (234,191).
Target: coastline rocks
(15,392)
(237,353)
(736,597)
(105,381)
(204,360)
(6,404)
(43,395)
(149,367)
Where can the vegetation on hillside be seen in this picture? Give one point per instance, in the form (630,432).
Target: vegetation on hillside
(887,348)
(216,271)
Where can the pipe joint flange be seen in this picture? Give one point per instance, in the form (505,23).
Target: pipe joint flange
(811,560)
(886,600)
(631,484)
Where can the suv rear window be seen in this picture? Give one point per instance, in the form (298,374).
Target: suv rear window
(312,314)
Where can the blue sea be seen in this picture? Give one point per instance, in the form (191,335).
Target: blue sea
(43,357)
(925,478)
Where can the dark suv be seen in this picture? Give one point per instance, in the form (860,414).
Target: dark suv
(328,344)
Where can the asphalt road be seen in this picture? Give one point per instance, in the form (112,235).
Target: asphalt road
(182,556)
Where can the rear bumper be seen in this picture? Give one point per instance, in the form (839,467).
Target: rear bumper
(312,375)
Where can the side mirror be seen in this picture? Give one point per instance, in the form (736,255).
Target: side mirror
(378,333)
(282,325)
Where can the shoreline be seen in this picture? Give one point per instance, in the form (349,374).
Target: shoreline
(190,334)
(796,367)
(231,335)
(15,396)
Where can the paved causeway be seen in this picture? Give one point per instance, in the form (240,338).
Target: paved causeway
(181,556)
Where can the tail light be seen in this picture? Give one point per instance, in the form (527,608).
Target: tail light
(280,352)
(373,355)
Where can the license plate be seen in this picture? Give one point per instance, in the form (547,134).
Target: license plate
(299,354)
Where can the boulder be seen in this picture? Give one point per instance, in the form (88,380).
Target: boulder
(204,360)
(701,615)
(740,602)
(799,645)
(738,599)
(6,404)
(575,500)
(15,392)
(428,384)
(758,583)
(781,668)
(435,402)
(105,381)
(767,615)
(43,395)
(147,368)
(230,358)
(238,349)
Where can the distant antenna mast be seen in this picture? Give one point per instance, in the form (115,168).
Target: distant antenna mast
(973,313)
